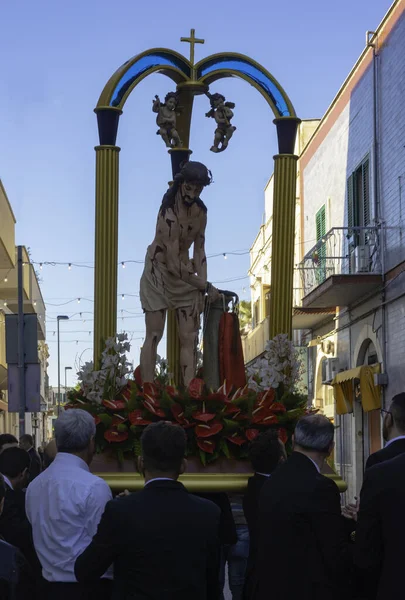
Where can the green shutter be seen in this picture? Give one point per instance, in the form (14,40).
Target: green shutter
(320,223)
(365,176)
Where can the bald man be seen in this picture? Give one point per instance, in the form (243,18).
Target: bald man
(50,453)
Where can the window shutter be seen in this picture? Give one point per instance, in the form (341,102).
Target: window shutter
(350,201)
(320,223)
(366,193)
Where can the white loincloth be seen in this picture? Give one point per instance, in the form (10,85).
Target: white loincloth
(160,290)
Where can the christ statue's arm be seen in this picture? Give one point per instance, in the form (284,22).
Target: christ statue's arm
(200,258)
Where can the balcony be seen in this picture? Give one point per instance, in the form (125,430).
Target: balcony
(344,266)
(7,227)
(33,301)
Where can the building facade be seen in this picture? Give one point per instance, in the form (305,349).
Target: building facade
(352,264)
(35,423)
(260,259)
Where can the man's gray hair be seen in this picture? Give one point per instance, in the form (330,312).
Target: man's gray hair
(74,430)
(314,432)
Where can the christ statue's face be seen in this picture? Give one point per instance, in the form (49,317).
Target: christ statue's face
(191,190)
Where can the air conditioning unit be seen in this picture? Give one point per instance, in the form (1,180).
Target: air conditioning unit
(360,259)
(330,368)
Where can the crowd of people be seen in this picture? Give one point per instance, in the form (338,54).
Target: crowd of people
(64,536)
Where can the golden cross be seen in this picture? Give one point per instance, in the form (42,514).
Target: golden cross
(192,40)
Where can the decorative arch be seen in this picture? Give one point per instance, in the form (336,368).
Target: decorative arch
(191,79)
(366,335)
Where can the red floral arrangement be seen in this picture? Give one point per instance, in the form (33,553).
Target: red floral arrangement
(220,423)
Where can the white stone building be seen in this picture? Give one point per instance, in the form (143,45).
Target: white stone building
(352,267)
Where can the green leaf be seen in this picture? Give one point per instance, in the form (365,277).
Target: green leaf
(105,419)
(230,427)
(223,446)
(203,458)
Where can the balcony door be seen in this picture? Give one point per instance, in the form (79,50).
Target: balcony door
(358,203)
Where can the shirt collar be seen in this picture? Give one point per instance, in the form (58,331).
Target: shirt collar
(263,474)
(6,479)
(400,437)
(70,459)
(159,479)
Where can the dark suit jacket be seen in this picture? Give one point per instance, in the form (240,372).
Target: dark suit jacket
(17,580)
(390,451)
(35,464)
(227,528)
(303,548)
(380,531)
(16,529)
(163,542)
(251,510)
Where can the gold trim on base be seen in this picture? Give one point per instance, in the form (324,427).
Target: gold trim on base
(195,482)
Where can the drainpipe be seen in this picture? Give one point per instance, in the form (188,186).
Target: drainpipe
(371,42)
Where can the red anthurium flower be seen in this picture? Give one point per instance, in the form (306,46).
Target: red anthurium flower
(206,446)
(171,390)
(137,376)
(277,407)
(114,436)
(231,409)
(126,392)
(252,434)
(283,435)
(203,416)
(236,439)
(115,404)
(217,397)
(178,414)
(136,418)
(118,420)
(226,388)
(150,389)
(240,416)
(196,387)
(263,416)
(153,407)
(265,398)
(205,431)
(97,420)
(240,392)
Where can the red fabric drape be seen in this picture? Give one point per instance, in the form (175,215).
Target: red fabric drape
(231,363)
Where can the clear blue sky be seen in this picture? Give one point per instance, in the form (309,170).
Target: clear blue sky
(55,58)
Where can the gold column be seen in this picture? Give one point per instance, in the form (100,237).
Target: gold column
(106,247)
(282,259)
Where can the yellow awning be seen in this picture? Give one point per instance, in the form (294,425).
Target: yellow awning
(344,393)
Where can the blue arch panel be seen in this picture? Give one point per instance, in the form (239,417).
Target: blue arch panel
(154,60)
(239,64)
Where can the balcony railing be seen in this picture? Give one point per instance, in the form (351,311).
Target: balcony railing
(342,251)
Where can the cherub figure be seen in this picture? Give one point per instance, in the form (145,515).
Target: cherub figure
(222,113)
(166,119)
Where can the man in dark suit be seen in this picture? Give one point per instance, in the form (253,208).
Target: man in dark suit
(380,531)
(14,525)
(393,432)
(17,580)
(163,541)
(27,444)
(303,549)
(266,452)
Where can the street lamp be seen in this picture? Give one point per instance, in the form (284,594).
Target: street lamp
(66,370)
(59,318)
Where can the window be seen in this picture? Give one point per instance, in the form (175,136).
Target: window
(266,294)
(358,201)
(256,313)
(320,225)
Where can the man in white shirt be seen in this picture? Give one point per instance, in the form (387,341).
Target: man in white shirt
(64,506)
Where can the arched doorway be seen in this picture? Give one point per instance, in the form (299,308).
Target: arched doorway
(368,424)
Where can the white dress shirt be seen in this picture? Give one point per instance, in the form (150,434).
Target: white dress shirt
(64,505)
(6,479)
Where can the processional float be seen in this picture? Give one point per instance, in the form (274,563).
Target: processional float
(211,413)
